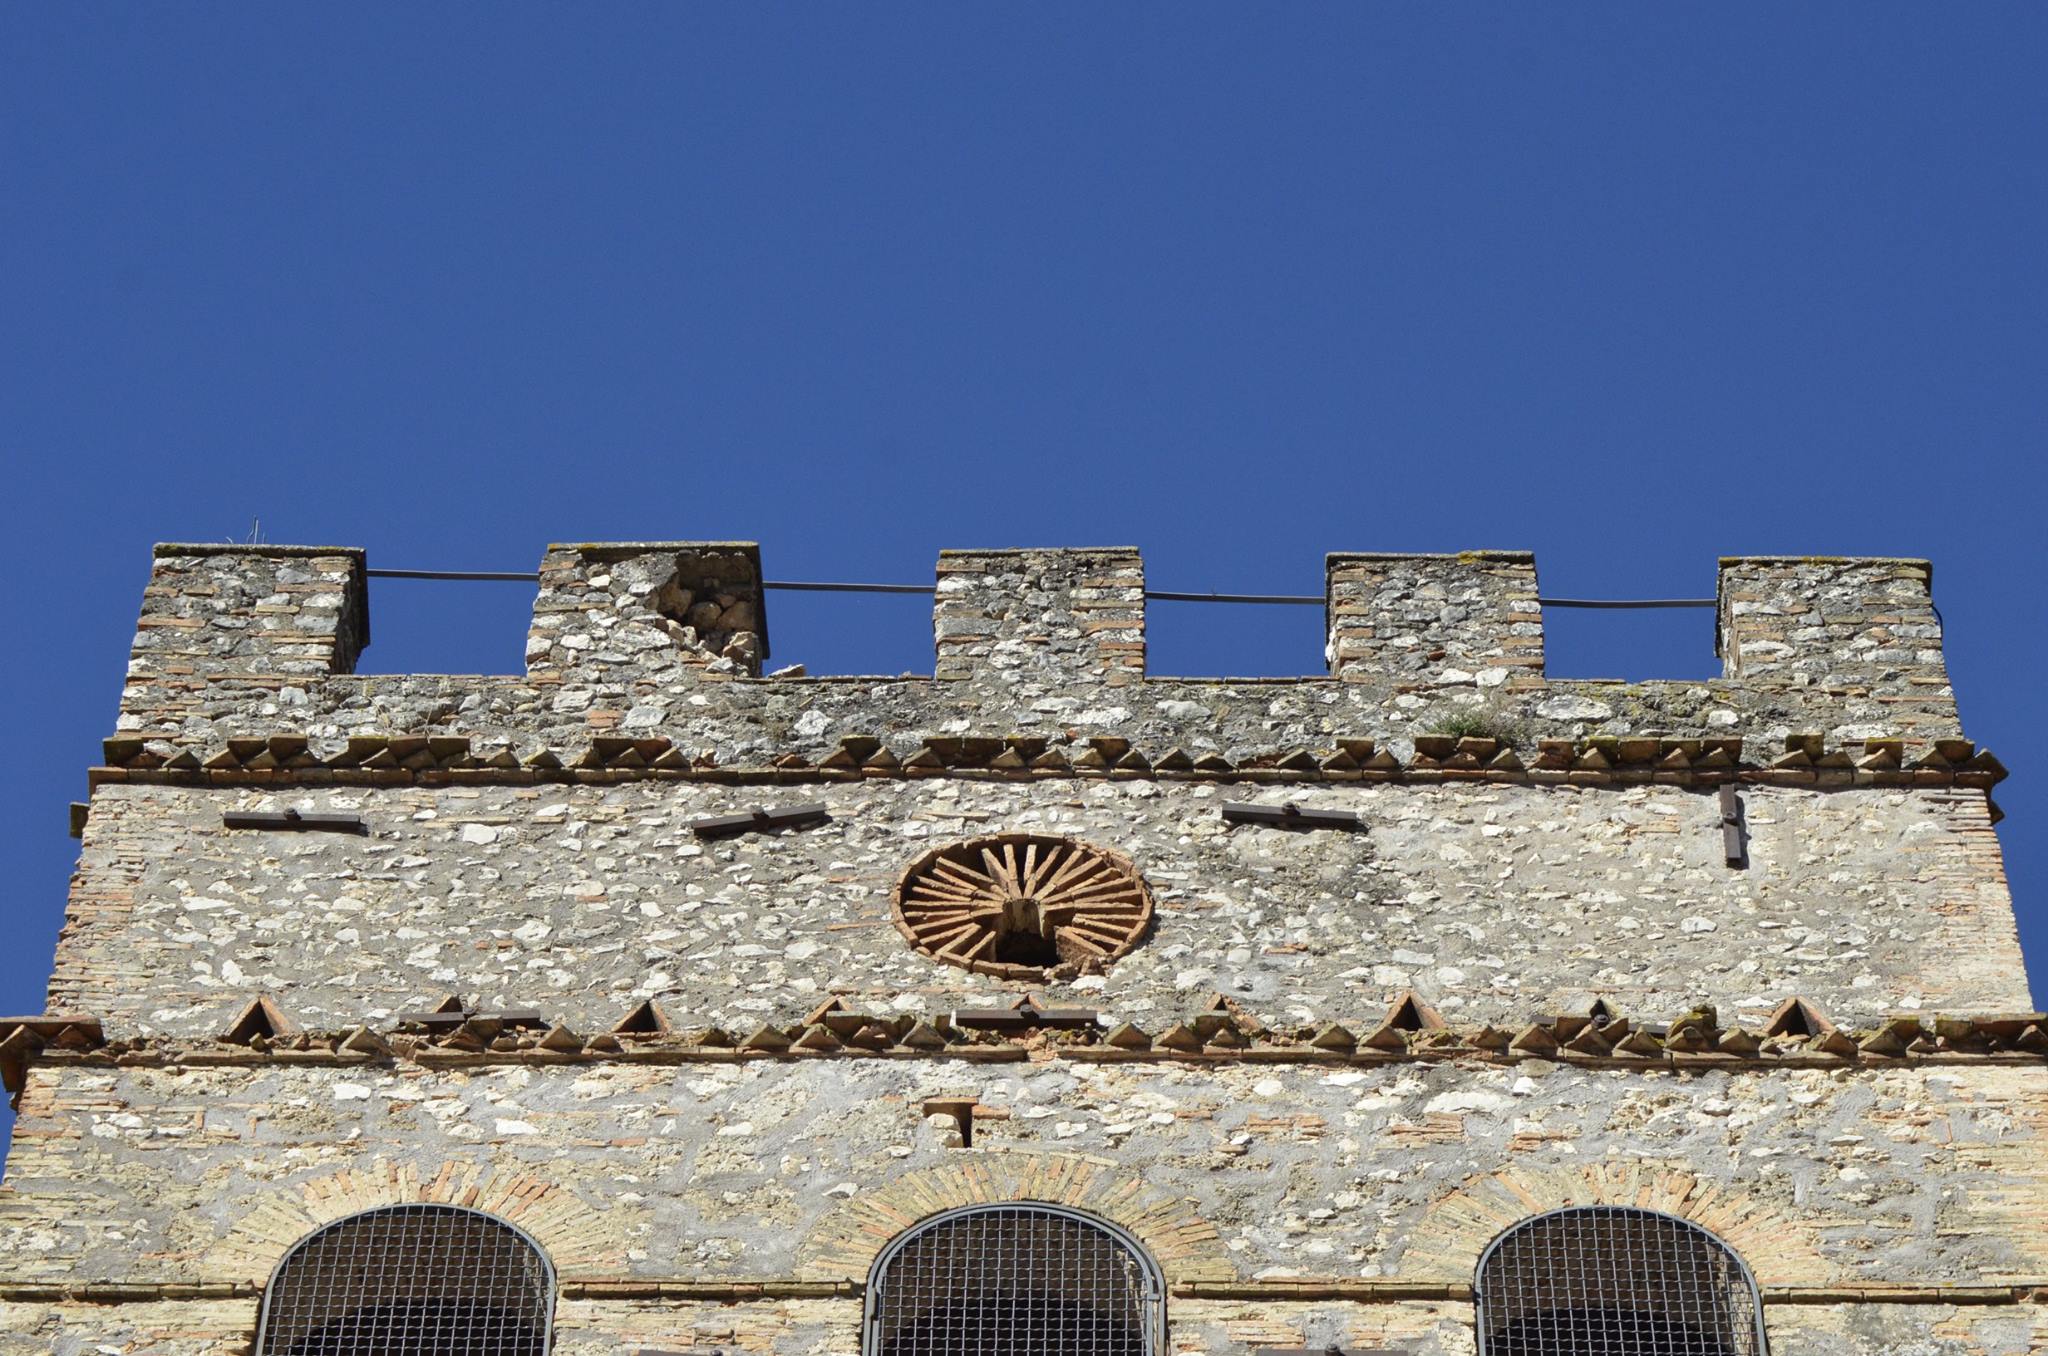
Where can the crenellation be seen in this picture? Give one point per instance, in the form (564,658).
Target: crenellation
(1831,621)
(1470,619)
(1036,642)
(355,957)
(1022,621)
(236,625)
(648,612)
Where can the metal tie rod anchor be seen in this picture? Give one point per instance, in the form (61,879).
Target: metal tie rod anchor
(526,1018)
(1288,816)
(1025,1014)
(292,819)
(761,821)
(1734,828)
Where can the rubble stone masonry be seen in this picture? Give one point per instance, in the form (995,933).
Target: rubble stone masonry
(1739,951)
(1495,903)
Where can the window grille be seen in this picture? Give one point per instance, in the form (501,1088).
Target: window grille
(1014,1280)
(410,1280)
(1615,1281)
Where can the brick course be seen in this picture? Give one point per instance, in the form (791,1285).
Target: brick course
(1251,1105)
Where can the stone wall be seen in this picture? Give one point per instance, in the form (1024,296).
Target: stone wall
(761,1170)
(1240,1179)
(1471,618)
(183,1327)
(1496,904)
(1416,641)
(648,612)
(1041,620)
(235,626)
(1526,846)
(1830,621)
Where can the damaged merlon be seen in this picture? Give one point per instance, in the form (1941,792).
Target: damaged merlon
(1359,1012)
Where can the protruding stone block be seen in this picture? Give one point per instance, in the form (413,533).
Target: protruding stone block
(220,617)
(623,611)
(1467,618)
(1041,619)
(1831,620)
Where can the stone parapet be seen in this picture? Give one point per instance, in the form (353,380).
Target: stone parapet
(745,721)
(245,644)
(231,625)
(1041,620)
(1831,621)
(644,612)
(1469,619)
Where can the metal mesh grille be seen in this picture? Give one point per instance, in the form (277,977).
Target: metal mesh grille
(1615,1281)
(1013,1281)
(410,1280)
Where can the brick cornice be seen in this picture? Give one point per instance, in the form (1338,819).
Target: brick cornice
(396,759)
(1692,1043)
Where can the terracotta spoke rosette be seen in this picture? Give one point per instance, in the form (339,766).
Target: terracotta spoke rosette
(1022,905)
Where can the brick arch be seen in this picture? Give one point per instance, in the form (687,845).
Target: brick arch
(843,1246)
(1446,1245)
(575,1236)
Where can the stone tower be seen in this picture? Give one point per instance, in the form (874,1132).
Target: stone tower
(645,1003)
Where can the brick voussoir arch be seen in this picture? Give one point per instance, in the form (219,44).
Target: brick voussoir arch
(843,1246)
(575,1235)
(1446,1245)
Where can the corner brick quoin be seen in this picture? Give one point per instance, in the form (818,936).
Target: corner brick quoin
(576,1235)
(844,1245)
(1447,1244)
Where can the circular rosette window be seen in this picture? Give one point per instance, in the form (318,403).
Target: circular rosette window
(1021,905)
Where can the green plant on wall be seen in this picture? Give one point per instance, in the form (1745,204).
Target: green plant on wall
(1478,724)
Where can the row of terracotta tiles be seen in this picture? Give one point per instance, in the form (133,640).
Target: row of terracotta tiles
(1410,1029)
(1805,759)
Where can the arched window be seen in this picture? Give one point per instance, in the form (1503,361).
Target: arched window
(1609,1280)
(410,1280)
(1014,1280)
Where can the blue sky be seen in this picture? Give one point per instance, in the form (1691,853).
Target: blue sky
(1630,286)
